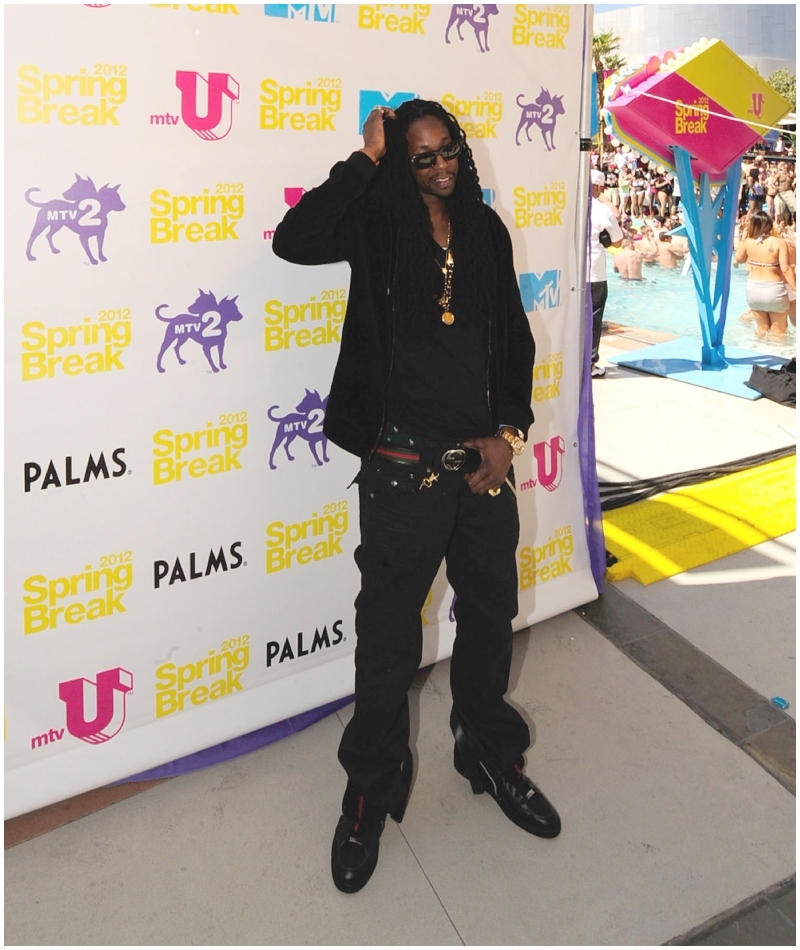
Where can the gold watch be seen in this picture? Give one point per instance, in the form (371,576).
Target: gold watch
(516,442)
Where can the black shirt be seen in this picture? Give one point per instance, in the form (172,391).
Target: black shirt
(438,384)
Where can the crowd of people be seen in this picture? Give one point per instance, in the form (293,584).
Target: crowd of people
(636,187)
(646,201)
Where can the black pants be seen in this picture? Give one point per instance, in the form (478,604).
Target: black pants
(599,297)
(406,531)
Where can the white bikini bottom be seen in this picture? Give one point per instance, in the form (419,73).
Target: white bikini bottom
(769,296)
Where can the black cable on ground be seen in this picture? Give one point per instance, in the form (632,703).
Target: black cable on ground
(618,494)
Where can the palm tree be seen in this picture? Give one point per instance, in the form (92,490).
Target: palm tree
(605,53)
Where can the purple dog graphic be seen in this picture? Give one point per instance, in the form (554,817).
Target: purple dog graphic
(477,15)
(85,211)
(543,111)
(206,323)
(305,422)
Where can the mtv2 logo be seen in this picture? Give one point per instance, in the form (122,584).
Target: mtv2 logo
(220,91)
(540,291)
(306,421)
(542,112)
(206,323)
(476,16)
(318,12)
(83,208)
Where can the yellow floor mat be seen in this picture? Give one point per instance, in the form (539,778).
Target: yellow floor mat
(685,528)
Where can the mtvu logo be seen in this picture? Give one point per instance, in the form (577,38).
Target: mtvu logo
(548,464)
(220,91)
(477,16)
(84,210)
(757,99)
(543,111)
(206,323)
(107,704)
(540,291)
(305,422)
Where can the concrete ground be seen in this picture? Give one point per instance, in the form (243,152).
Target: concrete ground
(655,738)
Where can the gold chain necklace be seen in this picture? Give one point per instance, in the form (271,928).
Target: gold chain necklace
(447,270)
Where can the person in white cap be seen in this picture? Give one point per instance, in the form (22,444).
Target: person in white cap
(605,232)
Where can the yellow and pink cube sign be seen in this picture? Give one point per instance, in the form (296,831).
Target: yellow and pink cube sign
(703,98)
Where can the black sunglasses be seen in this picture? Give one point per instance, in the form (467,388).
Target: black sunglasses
(428,159)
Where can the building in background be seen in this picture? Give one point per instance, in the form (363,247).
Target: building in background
(763,34)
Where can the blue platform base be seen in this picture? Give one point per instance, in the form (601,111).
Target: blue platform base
(681,359)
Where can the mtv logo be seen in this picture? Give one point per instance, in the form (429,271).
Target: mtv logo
(318,12)
(292,195)
(540,291)
(369,98)
(490,197)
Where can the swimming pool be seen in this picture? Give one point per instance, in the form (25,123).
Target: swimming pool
(666,301)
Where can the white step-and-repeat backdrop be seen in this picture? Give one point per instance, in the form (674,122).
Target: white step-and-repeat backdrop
(179,533)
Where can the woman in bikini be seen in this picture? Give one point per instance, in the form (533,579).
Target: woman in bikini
(789,235)
(638,188)
(770,273)
(625,180)
(663,187)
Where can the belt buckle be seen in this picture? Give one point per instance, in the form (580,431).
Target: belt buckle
(454,459)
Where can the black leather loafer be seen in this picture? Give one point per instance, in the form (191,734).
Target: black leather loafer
(354,853)
(520,800)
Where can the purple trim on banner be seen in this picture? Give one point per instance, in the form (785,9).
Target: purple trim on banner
(592,513)
(232,748)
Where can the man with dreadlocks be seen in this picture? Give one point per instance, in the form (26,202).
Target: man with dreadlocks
(432,391)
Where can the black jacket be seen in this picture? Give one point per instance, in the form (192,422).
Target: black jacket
(338,222)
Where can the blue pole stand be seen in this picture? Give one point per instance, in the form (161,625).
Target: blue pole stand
(710,223)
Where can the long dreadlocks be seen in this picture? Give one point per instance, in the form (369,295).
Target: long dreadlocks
(418,277)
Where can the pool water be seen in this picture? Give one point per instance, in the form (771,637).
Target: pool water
(666,301)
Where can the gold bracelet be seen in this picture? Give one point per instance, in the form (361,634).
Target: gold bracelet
(517,444)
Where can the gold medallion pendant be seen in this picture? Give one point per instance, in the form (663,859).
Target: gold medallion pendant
(444,301)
